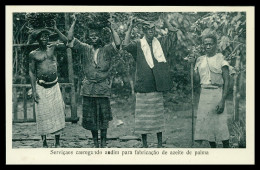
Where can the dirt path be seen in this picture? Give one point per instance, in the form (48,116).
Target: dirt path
(120,133)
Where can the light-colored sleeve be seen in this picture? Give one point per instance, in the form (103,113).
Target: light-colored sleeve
(221,59)
(224,63)
(230,68)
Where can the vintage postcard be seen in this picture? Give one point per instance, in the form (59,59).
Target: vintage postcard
(130,85)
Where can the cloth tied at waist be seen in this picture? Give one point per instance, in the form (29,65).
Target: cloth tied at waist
(46,84)
(211,86)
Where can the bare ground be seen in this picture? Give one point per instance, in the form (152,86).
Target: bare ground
(178,132)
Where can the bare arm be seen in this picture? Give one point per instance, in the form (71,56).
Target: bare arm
(169,26)
(168,42)
(196,77)
(225,73)
(71,30)
(74,42)
(115,36)
(63,38)
(128,32)
(32,74)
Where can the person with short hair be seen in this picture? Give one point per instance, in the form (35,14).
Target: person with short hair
(49,108)
(96,84)
(212,71)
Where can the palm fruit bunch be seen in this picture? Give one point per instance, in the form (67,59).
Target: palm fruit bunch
(97,20)
(40,20)
(147,16)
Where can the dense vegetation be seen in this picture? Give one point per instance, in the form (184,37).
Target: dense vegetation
(230,29)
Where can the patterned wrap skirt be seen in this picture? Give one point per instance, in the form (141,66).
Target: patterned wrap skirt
(96,113)
(50,110)
(149,113)
(211,126)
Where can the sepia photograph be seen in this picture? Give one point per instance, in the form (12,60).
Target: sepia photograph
(130,81)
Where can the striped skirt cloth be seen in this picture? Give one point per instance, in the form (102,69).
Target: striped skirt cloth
(50,110)
(211,126)
(149,113)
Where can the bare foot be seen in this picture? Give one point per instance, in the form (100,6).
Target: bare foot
(145,146)
(57,145)
(96,145)
(159,146)
(45,145)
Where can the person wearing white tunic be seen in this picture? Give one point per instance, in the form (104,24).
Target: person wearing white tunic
(213,72)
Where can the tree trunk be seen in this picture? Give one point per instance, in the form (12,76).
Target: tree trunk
(242,82)
(15,104)
(74,118)
(24,103)
(67,22)
(236,93)
(192,103)
(73,93)
(16,61)
(78,91)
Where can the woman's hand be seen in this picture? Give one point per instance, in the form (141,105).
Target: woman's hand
(220,107)
(71,30)
(74,18)
(165,16)
(132,21)
(54,25)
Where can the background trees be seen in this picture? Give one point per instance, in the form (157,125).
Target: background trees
(230,28)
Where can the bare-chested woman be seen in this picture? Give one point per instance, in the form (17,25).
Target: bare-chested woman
(50,115)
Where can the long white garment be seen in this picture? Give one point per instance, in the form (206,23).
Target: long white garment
(50,110)
(157,51)
(210,125)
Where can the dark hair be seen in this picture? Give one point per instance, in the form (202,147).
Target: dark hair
(212,36)
(38,36)
(92,30)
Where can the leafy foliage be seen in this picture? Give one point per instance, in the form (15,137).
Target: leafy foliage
(230,28)
(40,20)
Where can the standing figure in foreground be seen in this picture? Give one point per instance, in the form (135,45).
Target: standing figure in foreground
(50,108)
(96,85)
(212,70)
(151,78)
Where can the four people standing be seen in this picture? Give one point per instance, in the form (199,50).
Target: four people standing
(152,78)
